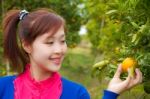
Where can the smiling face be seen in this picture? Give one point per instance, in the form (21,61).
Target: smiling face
(47,52)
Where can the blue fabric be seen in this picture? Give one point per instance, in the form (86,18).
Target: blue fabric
(110,95)
(71,90)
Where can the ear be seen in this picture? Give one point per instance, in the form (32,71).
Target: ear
(27,47)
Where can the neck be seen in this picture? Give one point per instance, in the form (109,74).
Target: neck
(38,73)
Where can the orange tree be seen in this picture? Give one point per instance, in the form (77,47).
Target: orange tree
(122,29)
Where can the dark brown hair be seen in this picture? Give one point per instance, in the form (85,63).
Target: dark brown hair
(34,24)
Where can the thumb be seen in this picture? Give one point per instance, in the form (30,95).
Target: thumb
(128,79)
(118,72)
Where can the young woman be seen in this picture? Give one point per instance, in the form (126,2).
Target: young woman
(36,41)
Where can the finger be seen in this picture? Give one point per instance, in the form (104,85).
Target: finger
(126,82)
(138,77)
(118,72)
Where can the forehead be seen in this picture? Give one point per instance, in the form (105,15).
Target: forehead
(58,34)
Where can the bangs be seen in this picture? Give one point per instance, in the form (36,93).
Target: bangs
(47,23)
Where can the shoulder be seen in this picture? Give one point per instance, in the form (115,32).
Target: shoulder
(6,81)
(6,84)
(71,84)
(75,88)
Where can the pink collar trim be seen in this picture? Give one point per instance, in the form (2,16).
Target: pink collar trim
(31,89)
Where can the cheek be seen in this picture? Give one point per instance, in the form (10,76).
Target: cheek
(41,52)
(65,48)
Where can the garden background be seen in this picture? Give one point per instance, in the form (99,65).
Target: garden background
(97,30)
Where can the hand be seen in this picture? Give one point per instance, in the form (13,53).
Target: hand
(118,86)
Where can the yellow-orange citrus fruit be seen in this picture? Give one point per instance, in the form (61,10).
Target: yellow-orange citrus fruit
(128,63)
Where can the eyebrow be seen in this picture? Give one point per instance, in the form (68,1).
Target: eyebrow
(63,35)
(50,37)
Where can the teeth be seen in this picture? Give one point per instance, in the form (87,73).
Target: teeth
(56,60)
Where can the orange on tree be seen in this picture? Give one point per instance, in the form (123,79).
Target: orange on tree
(128,65)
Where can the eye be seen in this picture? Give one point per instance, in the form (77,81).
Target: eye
(50,43)
(63,41)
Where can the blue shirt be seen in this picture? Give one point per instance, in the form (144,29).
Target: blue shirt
(71,90)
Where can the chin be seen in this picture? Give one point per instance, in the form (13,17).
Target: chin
(55,69)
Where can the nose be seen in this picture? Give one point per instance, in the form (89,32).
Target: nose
(57,48)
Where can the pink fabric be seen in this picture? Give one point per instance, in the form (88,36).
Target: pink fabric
(27,88)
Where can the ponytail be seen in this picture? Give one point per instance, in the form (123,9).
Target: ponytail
(12,53)
(31,26)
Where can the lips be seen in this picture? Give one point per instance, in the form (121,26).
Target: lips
(56,61)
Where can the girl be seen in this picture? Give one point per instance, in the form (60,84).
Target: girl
(36,41)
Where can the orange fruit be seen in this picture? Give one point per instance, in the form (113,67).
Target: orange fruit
(128,63)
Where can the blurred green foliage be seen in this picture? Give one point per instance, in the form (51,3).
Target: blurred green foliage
(120,29)
(116,29)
